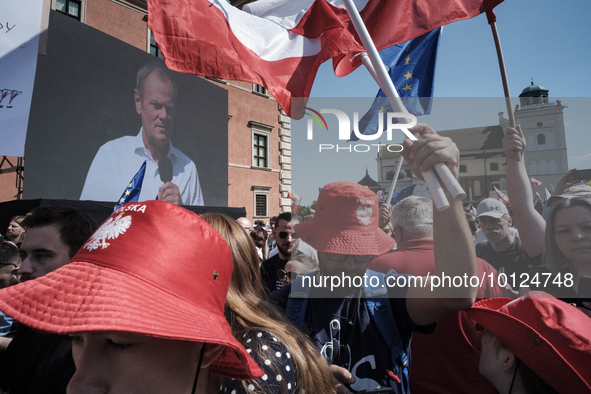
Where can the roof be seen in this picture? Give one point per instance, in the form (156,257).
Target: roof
(532,90)
(367,181)
(476,138)
(467,140)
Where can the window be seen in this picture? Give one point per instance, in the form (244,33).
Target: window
(71,8)
(260,205)
(259,89)
(154,50)
(494,166)
(541,139)
(261,201)
(463,168)
(477,191)
(261,140)
(259,150)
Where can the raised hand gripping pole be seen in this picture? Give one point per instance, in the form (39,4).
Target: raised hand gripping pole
(387,86)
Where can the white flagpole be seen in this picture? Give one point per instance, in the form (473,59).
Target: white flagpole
(388,87)
(367,63)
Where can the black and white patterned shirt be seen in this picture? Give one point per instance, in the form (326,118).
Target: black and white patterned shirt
(273,357)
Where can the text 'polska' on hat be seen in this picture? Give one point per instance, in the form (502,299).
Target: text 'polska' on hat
(136,275)
(346,222)
(491,207)
(551,337)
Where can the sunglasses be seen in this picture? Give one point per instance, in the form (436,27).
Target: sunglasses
(293,275)
(339,258)
(285,234)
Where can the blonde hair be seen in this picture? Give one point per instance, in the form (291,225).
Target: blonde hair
(247,308)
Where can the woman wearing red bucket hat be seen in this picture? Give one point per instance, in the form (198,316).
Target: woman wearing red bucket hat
(128,300)
(534,344)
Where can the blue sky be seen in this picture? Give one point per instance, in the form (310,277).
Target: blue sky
(548,41)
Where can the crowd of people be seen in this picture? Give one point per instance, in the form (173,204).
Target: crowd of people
(354,300)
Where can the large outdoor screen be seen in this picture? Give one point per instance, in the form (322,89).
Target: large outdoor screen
(92,126)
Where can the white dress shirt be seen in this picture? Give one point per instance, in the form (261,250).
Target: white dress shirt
(117,162)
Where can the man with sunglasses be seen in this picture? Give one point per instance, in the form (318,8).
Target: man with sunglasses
(285,244)
(364,328)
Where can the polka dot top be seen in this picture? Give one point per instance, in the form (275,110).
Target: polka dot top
(273,358)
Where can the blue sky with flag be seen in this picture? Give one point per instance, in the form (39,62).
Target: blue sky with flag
(544,40)
(411,66)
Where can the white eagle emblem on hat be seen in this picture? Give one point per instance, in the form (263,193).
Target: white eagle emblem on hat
(111,229)
(364,214)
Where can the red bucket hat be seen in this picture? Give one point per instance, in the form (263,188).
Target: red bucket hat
(346,222)
(551,337)
(137,275)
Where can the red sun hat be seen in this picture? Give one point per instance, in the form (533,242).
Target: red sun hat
(346,222)
(137,275)
(551,337)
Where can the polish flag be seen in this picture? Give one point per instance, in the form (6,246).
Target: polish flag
(538,196)
(280,44)
(502,196)
(295,201)
(212,38)
(535,182)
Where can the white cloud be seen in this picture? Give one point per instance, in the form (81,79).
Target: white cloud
(582,158)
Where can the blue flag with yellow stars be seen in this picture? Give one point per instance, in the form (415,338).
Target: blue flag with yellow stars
(401,194)
(133,189)
(412,70)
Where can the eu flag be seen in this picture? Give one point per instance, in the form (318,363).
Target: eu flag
(133,189)
(401,194)
(412,70)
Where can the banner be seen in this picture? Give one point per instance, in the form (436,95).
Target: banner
(19,45)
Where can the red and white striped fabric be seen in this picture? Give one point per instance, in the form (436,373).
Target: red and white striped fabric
(535,182)
(389,22)
(211,38)
(502,196)
(281,43)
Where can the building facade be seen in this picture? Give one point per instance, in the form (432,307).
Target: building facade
(482,160)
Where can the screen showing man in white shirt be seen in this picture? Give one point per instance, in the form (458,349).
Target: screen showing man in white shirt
(117,161)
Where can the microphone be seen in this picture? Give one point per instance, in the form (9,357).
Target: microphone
(165,169)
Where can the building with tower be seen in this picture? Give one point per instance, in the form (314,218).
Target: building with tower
(482,160)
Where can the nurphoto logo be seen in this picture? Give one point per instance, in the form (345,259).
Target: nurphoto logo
(392,121)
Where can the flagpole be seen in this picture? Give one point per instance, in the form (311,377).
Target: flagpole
(388,87)
(367,63)
(493,25)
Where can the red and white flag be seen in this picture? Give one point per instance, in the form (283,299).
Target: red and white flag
(211,38)
(295,201)
(535,182)
(281,43)
(538,196)
(502,196)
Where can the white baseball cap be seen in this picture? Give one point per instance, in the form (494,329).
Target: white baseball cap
(491,207)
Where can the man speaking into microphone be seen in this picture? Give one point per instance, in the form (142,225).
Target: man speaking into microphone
(169,175)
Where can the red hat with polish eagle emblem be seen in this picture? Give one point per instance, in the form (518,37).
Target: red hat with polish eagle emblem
(135,275)
(346,222)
